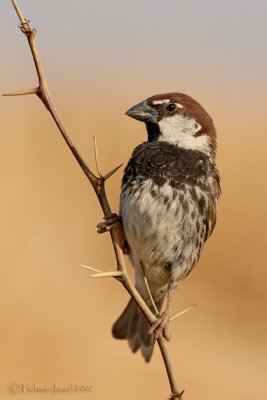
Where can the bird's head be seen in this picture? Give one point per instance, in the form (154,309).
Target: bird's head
(177,119)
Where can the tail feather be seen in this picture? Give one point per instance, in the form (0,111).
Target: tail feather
(120,328)
(134,326)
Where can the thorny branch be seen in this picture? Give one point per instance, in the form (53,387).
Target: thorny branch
(98,183)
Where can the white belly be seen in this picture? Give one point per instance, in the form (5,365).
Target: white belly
(161,232)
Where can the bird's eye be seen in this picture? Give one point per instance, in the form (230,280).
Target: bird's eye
(171,107)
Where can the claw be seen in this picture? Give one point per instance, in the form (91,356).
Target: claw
(110,222)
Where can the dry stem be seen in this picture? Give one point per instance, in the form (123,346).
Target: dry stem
(98,183)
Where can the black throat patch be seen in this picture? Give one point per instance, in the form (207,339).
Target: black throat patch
(153,131)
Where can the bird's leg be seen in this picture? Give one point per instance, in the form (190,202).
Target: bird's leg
(114,221)
(161,325)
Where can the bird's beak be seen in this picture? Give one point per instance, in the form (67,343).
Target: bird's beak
(143,112)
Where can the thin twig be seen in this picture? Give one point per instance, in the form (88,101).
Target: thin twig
(98,184)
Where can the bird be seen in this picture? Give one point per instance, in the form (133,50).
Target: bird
(168,208)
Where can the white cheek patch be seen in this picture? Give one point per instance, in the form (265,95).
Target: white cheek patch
(180,130)
(156,102)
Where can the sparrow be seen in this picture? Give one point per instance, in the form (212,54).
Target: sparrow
(168,208)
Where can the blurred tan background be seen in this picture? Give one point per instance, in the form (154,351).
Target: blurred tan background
(101,59)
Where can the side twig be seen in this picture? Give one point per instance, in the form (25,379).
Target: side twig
(98,183)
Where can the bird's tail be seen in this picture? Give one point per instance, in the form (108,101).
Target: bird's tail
(134,326)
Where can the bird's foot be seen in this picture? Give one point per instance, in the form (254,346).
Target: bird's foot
(110,222)
(114,221)
(161,327)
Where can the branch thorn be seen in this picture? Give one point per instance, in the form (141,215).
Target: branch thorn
(113,274)
(92,269)
(102,274)
(179,314)
(109,174)
(151,297)
(96,159)
(22,92)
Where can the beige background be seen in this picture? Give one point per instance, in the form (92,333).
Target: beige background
(55,320)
